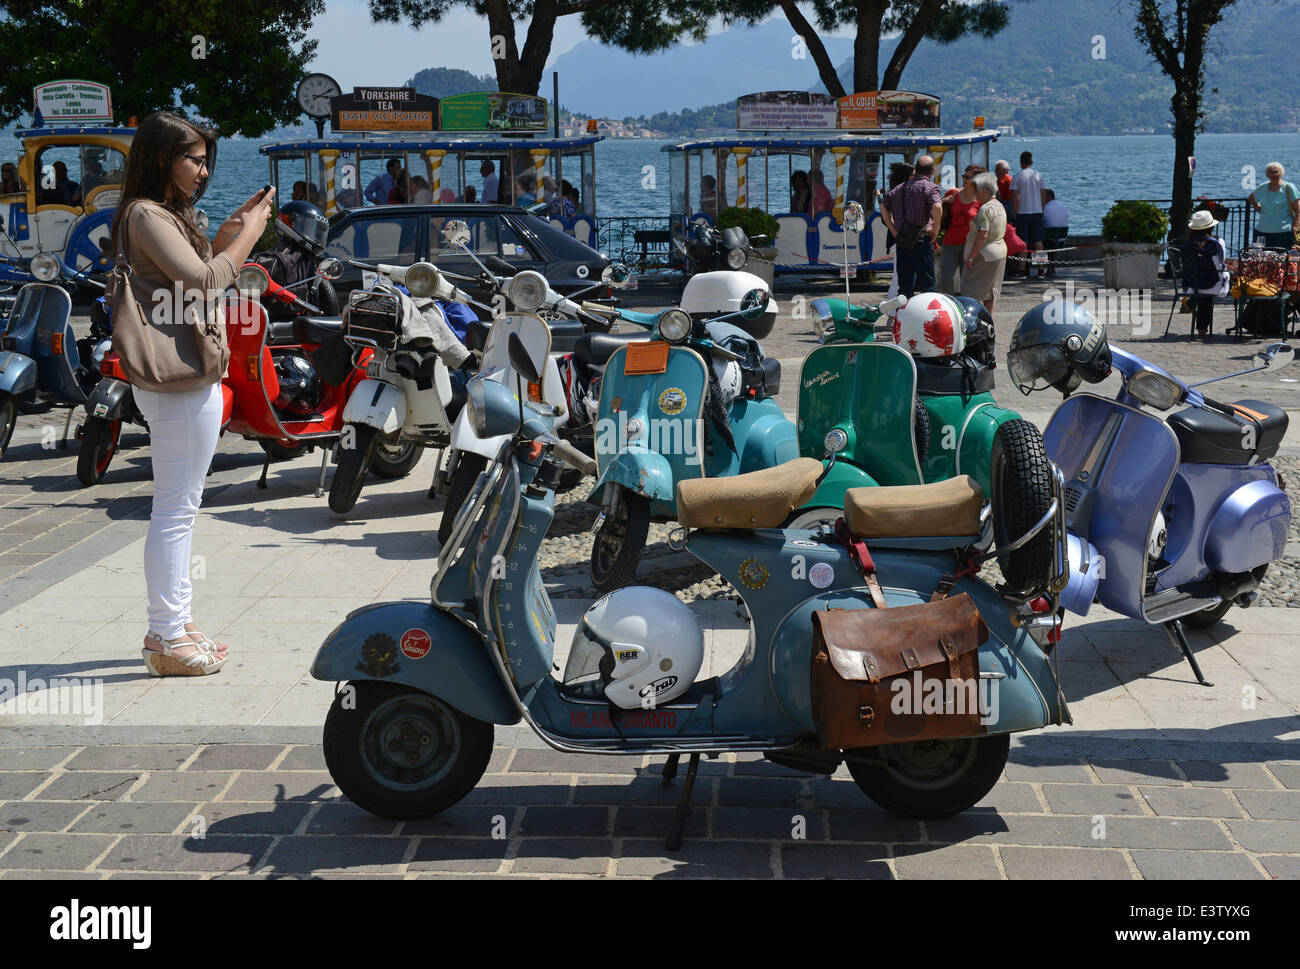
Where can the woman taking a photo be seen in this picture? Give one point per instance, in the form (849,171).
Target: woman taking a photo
(157,236)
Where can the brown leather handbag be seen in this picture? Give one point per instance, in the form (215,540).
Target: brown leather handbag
(884,676)
(165,357)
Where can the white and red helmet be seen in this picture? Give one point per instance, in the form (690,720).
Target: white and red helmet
(931,325)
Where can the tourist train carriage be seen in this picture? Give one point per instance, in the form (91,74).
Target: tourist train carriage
(753,169)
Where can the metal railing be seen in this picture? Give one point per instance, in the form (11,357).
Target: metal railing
(1236,228)
(643,242)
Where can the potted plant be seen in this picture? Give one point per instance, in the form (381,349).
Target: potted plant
(761,229)
(1213,206)
(1133,234)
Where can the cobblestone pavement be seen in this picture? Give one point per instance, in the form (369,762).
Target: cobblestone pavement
(1158,778)
(269,810)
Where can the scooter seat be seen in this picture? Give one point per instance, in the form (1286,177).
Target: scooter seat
(316,329)
(1209,437)
(595,349)
(758,499)
(476,334)
(949,507)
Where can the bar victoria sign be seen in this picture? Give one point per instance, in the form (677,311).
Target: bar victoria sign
(384,109)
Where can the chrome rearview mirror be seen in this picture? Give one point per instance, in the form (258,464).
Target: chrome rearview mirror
(617,275)
(754,304)
(330,268)
(1275,356)
(456,233)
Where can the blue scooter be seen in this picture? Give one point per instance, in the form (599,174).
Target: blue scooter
(1171,520)
(422,684)
(42,364)
(666,417)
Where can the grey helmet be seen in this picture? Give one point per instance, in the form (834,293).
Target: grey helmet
(1058,344)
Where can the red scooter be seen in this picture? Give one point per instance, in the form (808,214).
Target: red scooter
(288,382)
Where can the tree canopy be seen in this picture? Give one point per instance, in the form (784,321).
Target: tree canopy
(232,63)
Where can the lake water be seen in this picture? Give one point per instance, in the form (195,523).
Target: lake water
(1087,172)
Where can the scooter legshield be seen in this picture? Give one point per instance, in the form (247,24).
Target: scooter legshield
(414,644)
(1128,481)
(868,390)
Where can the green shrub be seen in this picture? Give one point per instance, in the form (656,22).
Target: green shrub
(1134,221)
(755,222)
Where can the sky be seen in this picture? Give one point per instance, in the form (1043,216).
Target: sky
(355,51)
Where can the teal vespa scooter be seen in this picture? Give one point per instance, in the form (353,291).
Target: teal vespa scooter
(410,733)
(665,417)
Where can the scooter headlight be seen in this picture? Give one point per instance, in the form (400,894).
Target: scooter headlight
(674,325)
(527,290)
(422,280)
(97,354)
(736,258)
(253,279)
(46,267)
(1155,390)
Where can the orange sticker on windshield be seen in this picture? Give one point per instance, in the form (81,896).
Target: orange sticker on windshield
(643,358)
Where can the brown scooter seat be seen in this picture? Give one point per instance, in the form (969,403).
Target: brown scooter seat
(949,507)
(759,499)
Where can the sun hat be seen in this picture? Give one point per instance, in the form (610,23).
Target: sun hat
(1202,220)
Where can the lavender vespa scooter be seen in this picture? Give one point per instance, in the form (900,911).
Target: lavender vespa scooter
(1171,519)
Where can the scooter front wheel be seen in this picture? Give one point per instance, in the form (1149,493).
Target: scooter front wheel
(467,472)
(932,778)
(616,551)
(98,445)
(8,418)
(395,460)
(354,462)
(401,753)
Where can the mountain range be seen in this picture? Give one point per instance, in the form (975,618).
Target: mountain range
(1059,67)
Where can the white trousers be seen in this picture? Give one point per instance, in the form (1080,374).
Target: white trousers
(183,431)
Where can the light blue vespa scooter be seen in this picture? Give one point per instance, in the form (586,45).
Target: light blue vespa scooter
(410,733)
(42,363)
(662,420)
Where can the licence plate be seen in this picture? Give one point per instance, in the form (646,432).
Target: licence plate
(646,358)
(374,370)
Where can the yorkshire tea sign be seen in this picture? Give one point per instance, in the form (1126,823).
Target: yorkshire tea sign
(72,101)
(493,111)
(383,109)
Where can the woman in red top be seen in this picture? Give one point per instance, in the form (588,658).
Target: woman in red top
(962,206)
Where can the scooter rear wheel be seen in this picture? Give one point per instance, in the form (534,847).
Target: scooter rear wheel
(98,445)
(617,547)
(933,778)
(282,452)
(8,418)
(401,753)
(468,468)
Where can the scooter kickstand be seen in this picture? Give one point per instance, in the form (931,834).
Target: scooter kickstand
(261,482)
(324,460)
(1175,630)
(63,441)
(670,768)
(674,839)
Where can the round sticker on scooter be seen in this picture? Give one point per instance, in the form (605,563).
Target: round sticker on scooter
(672,401)
(821,575)
(416,644)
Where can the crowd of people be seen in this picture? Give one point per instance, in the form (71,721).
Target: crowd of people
(972,230)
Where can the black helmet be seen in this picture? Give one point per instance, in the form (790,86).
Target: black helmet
(300,388)
(309,225)
(1058,344)
(979,330)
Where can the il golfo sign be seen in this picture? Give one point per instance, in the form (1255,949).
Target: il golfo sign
(384,109)
(72,101)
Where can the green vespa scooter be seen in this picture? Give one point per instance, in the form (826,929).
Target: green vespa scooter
(850,381)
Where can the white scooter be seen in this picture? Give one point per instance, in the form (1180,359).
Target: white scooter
(408,389)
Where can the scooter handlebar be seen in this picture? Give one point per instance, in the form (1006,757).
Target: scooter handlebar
(575,458)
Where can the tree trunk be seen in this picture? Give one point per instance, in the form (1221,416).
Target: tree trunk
(907,43)
(866,46)
(1184,147)
(537,47)
(509,77)
(825,67)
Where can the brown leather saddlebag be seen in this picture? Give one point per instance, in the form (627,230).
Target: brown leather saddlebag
(884,676)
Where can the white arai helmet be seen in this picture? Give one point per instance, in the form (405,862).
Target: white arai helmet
(638,647)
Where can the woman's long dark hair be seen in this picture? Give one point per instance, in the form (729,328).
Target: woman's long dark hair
(159,141)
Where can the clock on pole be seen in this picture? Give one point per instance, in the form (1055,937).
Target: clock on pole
(314,93)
